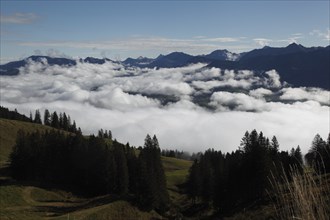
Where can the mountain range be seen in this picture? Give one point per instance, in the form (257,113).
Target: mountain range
(296,64)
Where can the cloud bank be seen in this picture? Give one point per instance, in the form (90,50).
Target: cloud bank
(190,108)
(18,18)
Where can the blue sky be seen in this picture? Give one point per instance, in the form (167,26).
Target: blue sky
(119,29)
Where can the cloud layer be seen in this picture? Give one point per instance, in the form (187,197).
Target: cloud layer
(190,108)
(18,18)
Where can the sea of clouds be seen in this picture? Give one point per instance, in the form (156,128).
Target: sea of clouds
(128,101)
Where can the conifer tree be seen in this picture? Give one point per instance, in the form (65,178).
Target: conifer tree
(65,122)
(152,192)
(274,145)
(47,118)
(319,155)
(55,121)
(37,117)
(122,169)
(256,164)
(194,184)
(133,171)
(60,120)
(74,127)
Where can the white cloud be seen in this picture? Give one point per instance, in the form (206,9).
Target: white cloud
(207,79)
(51,53)
(119,100)
(222,39)
(103,96)
(304,93)
(262,41)
(204,74)
(161,44)
(324,35)
(273,80)
(260,92)
(196,129)
(18,18)
(152,43)
(237,101)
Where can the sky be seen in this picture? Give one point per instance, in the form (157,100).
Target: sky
(121,29)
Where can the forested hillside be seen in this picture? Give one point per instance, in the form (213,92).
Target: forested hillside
(98,174)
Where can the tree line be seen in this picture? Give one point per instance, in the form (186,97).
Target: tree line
(59,121)
(92,165)
(234,180)
(176,154)
(12,115)
(318,155)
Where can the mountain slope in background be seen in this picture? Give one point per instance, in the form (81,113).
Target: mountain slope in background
(296,64)
(222,55)
(139,62)
(95,60)
(12,68)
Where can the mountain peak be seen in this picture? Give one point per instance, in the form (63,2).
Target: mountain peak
(295,47)
(222,55)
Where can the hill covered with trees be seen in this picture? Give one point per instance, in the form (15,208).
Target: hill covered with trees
(224,183)
(91,166)
(233,181)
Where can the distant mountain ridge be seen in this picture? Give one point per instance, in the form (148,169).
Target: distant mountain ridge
(179,59)
(11,68)
(296,64)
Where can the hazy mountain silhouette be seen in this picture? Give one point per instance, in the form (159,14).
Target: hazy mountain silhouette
(296,64)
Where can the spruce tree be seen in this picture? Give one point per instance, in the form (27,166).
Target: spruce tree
(122,169)
(37,117)
(194,185)
(319,155)
(133,169)
(55,121)
(47,118)
(60,120)
(152,192)
(256,164)
(65,122)
(274,145)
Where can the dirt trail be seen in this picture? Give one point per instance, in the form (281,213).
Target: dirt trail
(26,194)
(53,209)
(27,191)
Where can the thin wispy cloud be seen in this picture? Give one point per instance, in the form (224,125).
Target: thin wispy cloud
(222,39)
(262,41)
(193,45)
(19,18)
(294,38)
(325,35)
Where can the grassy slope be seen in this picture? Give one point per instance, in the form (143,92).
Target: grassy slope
(8,131)
(30,202)
(176,172)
